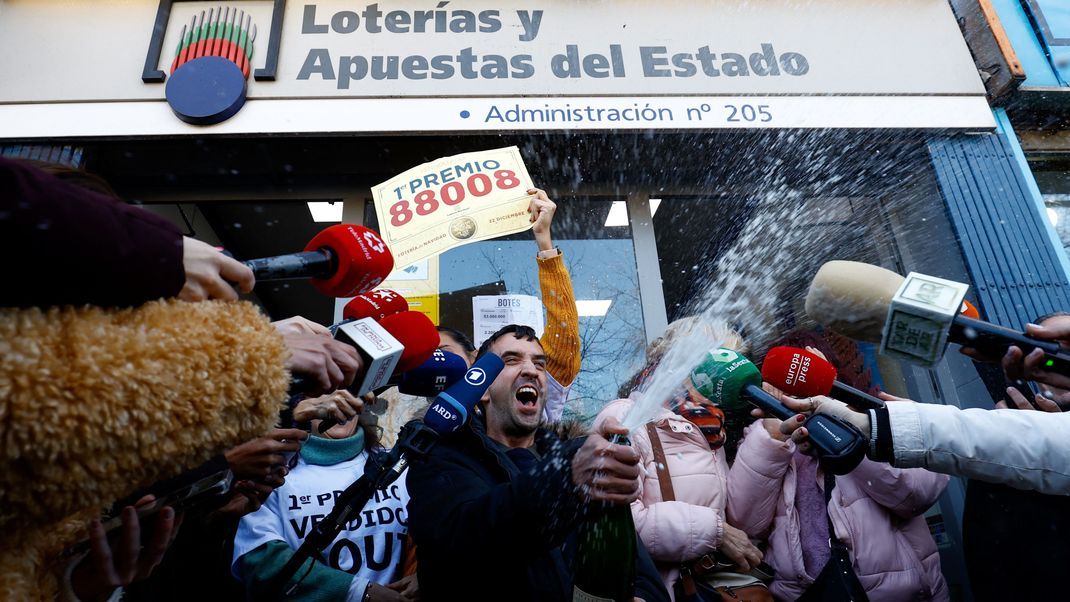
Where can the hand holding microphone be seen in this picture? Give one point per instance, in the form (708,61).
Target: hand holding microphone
(800,429)
(321,363)
(338,406)
(399,343)
(210,274)
(730,380)
(1034,365)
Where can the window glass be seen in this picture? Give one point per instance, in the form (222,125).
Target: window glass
(1053,179)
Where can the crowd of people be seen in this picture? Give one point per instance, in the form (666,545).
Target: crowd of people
(139,365)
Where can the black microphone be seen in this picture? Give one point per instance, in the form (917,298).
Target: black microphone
(341,261)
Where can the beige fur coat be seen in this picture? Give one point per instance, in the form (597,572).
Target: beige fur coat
(95,404)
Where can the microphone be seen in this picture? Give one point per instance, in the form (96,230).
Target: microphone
(397,344)
(727,378)
(341,261)
(912,318)
(800,373)
(376,305)
(430,378)
(450,409)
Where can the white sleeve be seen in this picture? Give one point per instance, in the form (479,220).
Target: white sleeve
(1021,448)
(256,529)
(556,396)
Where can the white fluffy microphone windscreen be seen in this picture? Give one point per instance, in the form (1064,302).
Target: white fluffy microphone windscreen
(852,298)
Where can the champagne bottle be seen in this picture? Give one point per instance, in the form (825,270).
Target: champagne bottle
(605,552)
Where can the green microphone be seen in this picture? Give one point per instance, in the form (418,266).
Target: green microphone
(731,381)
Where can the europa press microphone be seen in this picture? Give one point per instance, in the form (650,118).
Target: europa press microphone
(912,318)
(341,261)
(800,373)
(726,378)
(448,412)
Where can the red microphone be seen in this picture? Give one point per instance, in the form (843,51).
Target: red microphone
(341,261)
(800,373)
(417,333)
(376,305)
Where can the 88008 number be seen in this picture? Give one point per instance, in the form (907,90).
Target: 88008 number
(427,201)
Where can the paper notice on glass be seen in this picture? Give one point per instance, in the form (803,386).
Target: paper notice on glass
(491,312)
(453,201)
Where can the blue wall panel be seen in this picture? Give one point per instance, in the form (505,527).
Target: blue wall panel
(1017,272)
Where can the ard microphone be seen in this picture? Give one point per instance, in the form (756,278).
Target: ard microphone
(730,380)
(376,305)
(912,318)
(800,373)
(341,261)
(450,409)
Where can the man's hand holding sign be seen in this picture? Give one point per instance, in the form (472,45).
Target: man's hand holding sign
(453,201)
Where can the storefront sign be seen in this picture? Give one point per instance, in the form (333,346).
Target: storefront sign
(549,50)
(490,313)
(453,201)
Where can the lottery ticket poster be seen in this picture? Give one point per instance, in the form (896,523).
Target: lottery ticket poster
(491,312)
(453,201)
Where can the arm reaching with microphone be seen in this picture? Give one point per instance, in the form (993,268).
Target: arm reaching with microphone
(1026,450)
(211,274)
(1033,365)
(324,362)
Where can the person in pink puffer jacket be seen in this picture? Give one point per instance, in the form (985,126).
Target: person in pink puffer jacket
(693,524)
(776,494)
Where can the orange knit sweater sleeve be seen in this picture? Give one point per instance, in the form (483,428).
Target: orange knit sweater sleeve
(561,339)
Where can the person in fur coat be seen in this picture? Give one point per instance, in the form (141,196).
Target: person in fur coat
(96,403)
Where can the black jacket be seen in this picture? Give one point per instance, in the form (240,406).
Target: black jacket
(484,530)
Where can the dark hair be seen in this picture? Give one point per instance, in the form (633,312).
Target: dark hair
(1054,314)
(373,433)
(457,335)
(517,330)
(73,175)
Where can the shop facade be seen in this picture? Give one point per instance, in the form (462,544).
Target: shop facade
(700,154)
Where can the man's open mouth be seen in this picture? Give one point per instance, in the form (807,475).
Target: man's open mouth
(527,395)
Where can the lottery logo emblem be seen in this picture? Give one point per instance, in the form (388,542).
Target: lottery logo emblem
(475,377)
(208,77)
(463,228)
